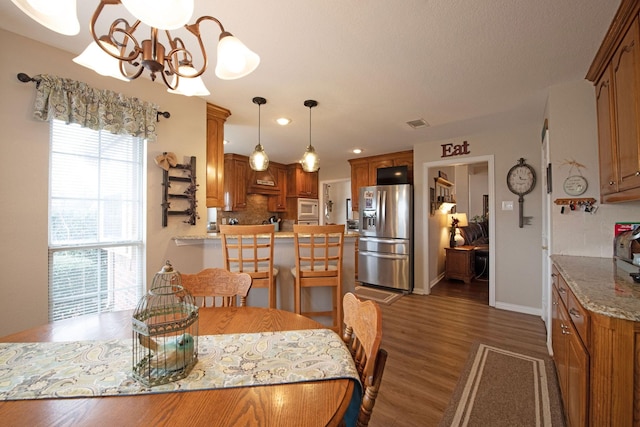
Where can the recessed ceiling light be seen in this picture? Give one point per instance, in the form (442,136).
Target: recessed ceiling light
(417,124)
(356,150)
(283,121)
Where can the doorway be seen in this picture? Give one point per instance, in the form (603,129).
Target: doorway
(432,233)
(335,201)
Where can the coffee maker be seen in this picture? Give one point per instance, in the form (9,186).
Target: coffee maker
(626,244)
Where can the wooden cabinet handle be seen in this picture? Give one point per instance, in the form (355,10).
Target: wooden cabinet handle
(574,312)
(562,290)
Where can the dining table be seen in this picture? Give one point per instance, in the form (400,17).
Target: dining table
(298,404)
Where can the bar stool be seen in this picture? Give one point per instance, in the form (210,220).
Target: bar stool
(243,252)
(318,252)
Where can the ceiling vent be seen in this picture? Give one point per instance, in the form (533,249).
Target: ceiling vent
(417,124)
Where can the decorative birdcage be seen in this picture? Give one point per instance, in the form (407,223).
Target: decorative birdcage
(165,331)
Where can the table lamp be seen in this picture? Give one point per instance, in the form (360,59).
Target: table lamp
(457,220)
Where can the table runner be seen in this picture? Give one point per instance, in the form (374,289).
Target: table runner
(103,368)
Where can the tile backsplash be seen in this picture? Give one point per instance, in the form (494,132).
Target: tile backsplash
(256,212)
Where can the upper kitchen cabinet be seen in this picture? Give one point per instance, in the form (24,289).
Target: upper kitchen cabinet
(364,170)
(216,117)
(236,169)
(616,74)
(278,203)
(301,183)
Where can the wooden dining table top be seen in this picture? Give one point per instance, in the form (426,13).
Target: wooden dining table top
(316,403)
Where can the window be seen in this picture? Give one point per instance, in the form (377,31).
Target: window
(96,221)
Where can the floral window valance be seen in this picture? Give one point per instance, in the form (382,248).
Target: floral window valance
(77,102)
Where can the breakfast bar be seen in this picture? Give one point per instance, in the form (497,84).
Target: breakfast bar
(284,261)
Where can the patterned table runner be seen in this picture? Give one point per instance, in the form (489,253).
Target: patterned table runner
(103,368)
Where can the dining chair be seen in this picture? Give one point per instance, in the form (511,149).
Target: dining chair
(249,249)
(217,287)
(318,257)
(363,335)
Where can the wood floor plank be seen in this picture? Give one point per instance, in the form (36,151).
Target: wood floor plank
(429,338)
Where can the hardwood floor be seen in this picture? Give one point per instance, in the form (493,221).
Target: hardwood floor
(428,339)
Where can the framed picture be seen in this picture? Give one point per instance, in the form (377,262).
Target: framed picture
(432,200)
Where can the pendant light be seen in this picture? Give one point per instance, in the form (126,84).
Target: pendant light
(259,161)
(310,161)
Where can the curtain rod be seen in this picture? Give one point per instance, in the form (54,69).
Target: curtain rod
(25,78)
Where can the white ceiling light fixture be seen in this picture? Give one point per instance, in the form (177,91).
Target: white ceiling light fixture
(356,150)
(259,161)
(283,121)
(172,60)
(93,54)
(57,15)
(310,161)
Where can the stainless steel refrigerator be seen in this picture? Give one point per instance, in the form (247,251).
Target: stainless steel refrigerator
(385,247)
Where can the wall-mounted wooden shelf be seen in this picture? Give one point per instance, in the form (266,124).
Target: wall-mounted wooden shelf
(575,201)
(186,187)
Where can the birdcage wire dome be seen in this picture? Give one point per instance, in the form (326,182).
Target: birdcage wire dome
(165,331)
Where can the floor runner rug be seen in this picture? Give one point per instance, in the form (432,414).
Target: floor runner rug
(499,387)
(378,295)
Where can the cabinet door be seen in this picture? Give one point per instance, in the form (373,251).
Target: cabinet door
(606,147)
(301,183)
(359,178)
(235,184)
(577,380)
(216,117)
(279,203)
(626,93)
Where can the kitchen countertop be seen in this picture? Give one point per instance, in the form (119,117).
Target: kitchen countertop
(601,286)
(276,235)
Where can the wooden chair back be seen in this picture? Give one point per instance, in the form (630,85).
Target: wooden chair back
(318,263)
(217,287)
(249,249)
(363,335)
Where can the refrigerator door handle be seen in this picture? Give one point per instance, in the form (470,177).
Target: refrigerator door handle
(387,256)
(379,240)
(381,208)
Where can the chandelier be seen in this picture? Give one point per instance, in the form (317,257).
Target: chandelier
(123,52)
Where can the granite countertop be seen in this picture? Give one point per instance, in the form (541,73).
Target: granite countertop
(276,235)
(601,286)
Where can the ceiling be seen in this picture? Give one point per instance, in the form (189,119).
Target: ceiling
(462,66)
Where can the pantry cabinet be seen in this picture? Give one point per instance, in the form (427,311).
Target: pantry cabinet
(616,75)
(216,117)
(364,170)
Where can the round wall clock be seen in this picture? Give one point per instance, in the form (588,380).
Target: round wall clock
(521,179)
(575,185)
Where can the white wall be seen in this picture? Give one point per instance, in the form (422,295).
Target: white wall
(571,112)
(25,169)
(517,272)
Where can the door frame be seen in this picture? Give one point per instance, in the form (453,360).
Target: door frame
(490,160)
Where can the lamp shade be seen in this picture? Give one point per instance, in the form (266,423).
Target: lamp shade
(98,60)
(446,207)
(57,15)
(161,14)
(259,161)
(188,86)
(235,60)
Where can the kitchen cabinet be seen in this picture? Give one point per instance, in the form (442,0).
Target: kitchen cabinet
(301,183)
(570,356)
(278,203)
(236,168)
(216,117)
(460,263)
(364,170)
(616,74)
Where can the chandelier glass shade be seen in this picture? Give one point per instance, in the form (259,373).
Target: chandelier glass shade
(59,16)
(138,48)
(259,161)
(310,161)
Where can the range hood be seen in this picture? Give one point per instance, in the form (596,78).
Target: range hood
(262,182)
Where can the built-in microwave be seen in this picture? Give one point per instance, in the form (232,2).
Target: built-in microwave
(308,210)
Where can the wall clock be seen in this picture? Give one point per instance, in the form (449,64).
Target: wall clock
(521,179)
(575,185)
